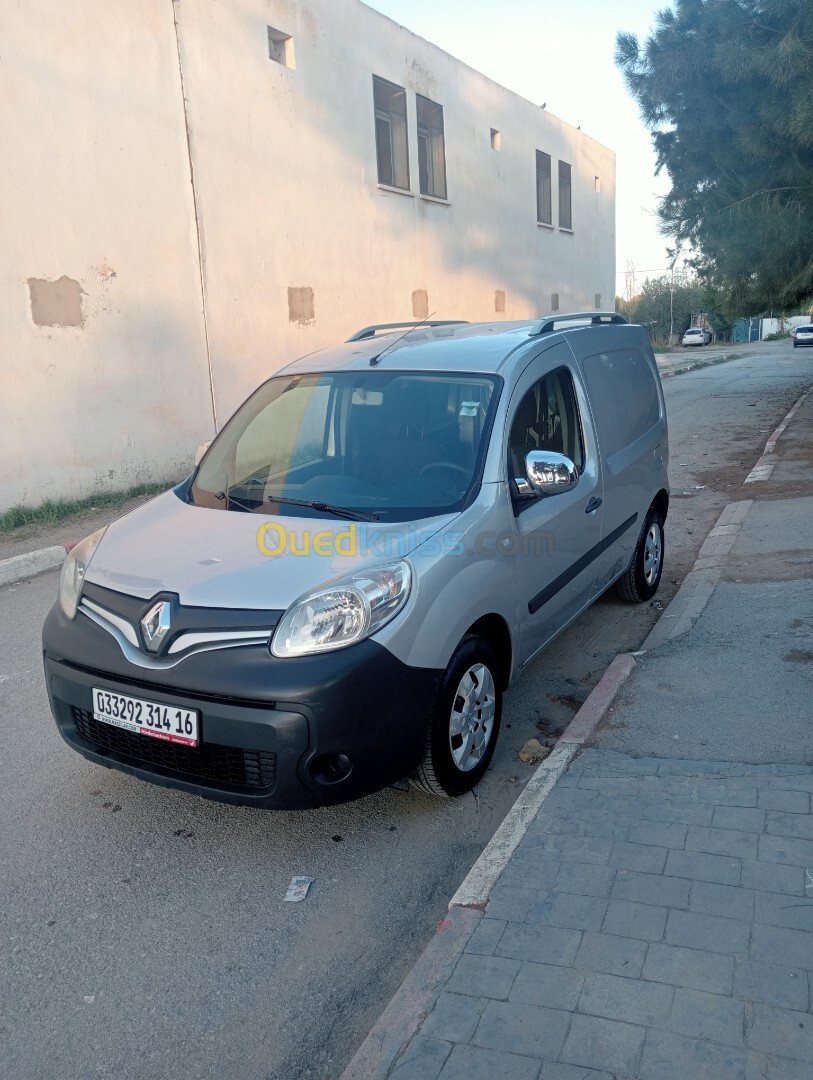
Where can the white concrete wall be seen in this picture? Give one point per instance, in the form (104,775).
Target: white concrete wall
(288,191)
(94,187)
(286,195)
(776,326)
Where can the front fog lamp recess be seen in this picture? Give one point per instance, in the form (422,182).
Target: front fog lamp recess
(343,611)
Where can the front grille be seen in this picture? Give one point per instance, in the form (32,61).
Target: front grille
(208,761)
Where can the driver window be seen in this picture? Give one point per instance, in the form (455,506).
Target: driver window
(547,418)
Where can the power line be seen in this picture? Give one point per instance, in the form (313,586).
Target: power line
(651,270)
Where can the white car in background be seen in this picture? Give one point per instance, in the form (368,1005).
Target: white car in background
(696,335)
(802,335)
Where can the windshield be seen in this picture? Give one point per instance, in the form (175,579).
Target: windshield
(390,446)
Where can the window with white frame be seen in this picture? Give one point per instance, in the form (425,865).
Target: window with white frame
(565,197)
(431,148)
(391,133)
(544,211)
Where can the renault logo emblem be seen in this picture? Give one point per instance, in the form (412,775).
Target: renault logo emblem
(156,624)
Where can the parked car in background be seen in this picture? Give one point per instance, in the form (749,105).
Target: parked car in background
(696,335)
(383,536)
(802,335)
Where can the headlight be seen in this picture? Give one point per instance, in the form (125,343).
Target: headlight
(343,611)
(73,572)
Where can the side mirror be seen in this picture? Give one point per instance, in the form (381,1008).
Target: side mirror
(548,473)
(201,450)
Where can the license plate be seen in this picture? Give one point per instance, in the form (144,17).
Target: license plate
(146,717)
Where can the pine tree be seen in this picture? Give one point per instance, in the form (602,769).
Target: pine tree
(726,87)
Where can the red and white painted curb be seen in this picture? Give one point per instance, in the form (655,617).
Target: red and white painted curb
(20,567)
(481,879)
(414,999)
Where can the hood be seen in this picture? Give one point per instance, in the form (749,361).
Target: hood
(218,558)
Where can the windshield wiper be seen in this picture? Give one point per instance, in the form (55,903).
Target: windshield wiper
(325,508)
(227,497)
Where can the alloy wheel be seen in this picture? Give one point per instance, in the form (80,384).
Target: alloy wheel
(653,553)
(471,723)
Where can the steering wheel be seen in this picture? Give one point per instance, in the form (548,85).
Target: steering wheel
(447,465)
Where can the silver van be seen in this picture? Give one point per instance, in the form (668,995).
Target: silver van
(375,545)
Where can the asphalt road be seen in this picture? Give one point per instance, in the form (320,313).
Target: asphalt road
(143,932)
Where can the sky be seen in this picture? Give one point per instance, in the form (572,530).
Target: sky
(561,53)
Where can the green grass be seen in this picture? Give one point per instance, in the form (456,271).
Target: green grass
(661,348)
(53,513)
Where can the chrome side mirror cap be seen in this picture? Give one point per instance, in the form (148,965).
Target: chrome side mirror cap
(201,450)
(548,474)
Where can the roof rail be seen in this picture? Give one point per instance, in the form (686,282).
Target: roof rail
(371,331)
(597,318)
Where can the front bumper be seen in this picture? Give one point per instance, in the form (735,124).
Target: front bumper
(276,733)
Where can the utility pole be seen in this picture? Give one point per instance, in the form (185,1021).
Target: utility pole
(629,282)
(672,296)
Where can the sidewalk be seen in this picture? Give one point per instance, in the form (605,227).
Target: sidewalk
(655,920)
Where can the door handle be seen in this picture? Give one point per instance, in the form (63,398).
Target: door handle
(594,504)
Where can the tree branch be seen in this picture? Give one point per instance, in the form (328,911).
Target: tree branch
(765,191)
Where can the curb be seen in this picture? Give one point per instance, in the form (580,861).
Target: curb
(476,888)
(765,466)
(413,1000)
(695,592)
(686,606)
(695,365)
(20,567)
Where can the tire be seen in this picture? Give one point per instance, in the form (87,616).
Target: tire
(641,579)
(448,767)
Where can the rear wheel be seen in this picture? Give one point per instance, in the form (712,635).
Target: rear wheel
(465,722)
(643,576)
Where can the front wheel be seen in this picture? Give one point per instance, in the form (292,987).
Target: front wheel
(465,722)
(643,576)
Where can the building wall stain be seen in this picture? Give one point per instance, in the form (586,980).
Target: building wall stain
(301,308)
(56,303)
(420,304)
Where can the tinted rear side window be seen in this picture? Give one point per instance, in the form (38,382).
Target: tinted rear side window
(624,396)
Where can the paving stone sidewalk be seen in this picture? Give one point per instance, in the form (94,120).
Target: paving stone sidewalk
(656,922)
